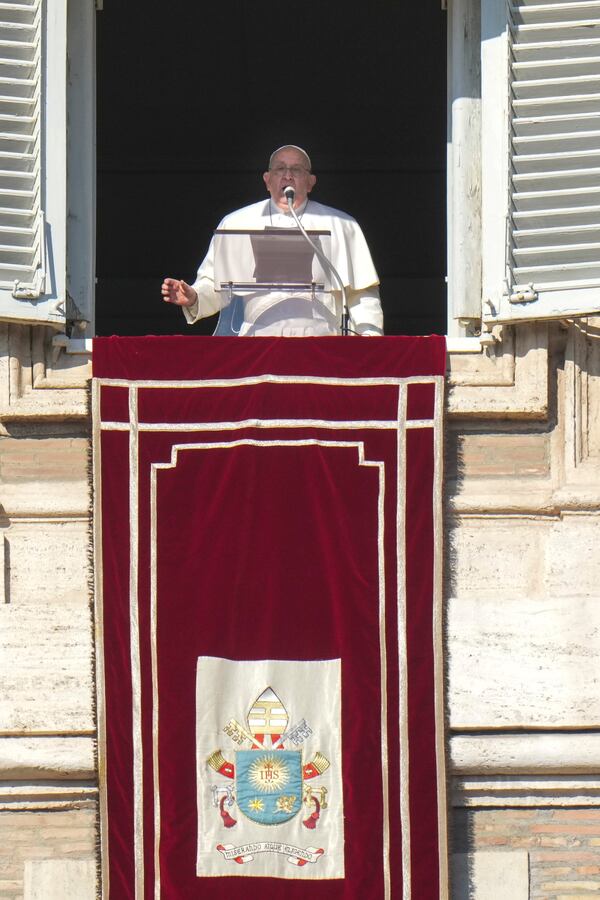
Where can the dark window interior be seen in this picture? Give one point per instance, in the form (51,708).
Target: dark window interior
(192,98)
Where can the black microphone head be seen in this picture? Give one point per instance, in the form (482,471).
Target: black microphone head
(289,193)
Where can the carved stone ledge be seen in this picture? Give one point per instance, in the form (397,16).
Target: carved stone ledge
(510,463)
(530,753)
(37,379)
(25,797)
(40,380)
(506,379)
(525,790)
(56,758)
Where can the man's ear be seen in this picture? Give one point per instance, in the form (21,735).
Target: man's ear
(311,183)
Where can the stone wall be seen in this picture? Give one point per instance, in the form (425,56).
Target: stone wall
(523,634)
(48,786)
(553,854)
(31,838)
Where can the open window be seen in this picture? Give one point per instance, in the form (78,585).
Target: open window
(184,136)
(524,154)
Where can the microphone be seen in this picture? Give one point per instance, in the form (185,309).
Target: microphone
(289,193)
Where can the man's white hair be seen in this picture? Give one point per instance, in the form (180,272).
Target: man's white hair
(290,147)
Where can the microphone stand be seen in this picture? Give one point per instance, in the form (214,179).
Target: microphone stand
(290,193)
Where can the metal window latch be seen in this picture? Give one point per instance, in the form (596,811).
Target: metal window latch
(525,295)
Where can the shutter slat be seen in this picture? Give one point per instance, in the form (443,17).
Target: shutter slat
(552,164)
(587,32)
(16,51)
(575,104)
(559,51)
(554,180)
(11,270)
(27,103)
(549,276)
(536,70)
(559,253)
(556,88)
(15,213)
(552,126)
(555,218)
(565,143)
(11,143)
(546,14)
(549,236)
(17,32)
(556,29)
(20,180)
(540,200)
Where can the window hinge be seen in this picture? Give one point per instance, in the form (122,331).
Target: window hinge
(525,295)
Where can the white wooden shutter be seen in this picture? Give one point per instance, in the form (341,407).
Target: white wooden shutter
(553,219)
(32,138)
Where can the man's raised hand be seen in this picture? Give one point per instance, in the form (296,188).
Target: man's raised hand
(179,292)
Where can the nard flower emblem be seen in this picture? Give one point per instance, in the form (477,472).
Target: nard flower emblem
(286,803)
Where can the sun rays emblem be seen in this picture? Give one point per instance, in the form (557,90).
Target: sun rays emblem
(269,774)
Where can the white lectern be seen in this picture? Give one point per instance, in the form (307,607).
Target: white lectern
(270,276)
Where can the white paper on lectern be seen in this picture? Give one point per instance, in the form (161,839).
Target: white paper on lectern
(281,258)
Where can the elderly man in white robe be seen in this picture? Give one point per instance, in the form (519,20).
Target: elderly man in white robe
(303,314)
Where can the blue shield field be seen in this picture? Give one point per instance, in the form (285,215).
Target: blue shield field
(269,785)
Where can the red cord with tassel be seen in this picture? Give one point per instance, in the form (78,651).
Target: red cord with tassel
(228,821)
(312,820)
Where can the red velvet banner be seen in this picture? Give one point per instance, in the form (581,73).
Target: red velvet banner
(268,557)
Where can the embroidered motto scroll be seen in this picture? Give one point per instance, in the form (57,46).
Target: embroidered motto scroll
(268,562)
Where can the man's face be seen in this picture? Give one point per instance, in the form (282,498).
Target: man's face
(289,167)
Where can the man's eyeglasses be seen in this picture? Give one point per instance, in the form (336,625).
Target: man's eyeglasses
(295,171)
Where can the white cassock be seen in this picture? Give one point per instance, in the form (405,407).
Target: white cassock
(300,315)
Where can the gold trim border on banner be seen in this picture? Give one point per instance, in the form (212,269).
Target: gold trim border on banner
(136,427)
(438,638)
(306,442)
(99,641)
(401,631)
